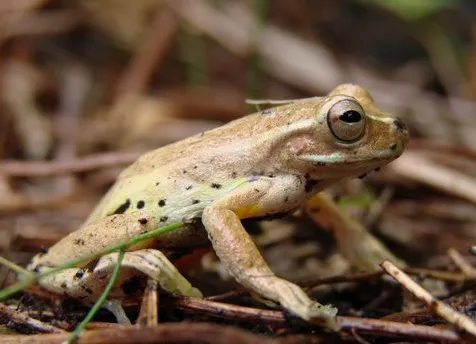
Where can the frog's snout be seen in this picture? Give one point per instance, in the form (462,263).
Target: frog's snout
(402,133)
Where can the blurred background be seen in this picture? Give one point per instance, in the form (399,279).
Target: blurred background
(88,85)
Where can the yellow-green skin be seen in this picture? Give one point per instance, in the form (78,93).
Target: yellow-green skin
(265,163)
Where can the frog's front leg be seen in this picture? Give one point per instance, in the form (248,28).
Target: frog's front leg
(88,284)
(355,243)
(238,253)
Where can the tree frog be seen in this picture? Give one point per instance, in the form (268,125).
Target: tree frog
(267,163)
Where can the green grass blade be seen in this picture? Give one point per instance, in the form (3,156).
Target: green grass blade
(17,268)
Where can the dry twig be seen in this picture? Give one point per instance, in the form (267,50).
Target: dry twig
(150,53)
(347,324)
(455,318)
(148,314)
(462,264)
(416,166)
(30,23)
(14,168)
(21,319)
(76,84)
(168,333)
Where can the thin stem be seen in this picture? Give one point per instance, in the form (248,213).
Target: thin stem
(17,268)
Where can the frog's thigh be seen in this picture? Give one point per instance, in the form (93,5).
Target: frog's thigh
(81,283)
(239,254)
(356,244)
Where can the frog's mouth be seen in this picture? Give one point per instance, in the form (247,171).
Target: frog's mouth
(339,159)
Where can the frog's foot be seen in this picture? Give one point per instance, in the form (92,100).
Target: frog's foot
(296,301)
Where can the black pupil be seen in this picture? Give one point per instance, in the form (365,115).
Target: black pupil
(351,116)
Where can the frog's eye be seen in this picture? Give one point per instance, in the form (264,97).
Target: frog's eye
(346,120)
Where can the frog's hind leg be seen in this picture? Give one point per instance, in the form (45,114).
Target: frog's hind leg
(87,284)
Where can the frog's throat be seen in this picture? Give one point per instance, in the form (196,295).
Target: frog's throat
(339,158)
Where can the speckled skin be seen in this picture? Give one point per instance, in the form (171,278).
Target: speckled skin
(262,164)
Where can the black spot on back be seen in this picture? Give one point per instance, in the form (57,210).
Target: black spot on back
(79,242)
(122,208)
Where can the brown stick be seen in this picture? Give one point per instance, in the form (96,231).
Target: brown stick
(347,324)
(14,168)
(455,318)
(167,333)
(150,53)
(148,314)
(21,319)
(461,263)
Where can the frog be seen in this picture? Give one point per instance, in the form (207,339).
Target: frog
(272,162)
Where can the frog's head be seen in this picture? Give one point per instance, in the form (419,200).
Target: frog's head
(348,136)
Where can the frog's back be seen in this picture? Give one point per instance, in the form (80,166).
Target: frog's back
(253,125)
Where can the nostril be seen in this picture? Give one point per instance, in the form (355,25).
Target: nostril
(399,124)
